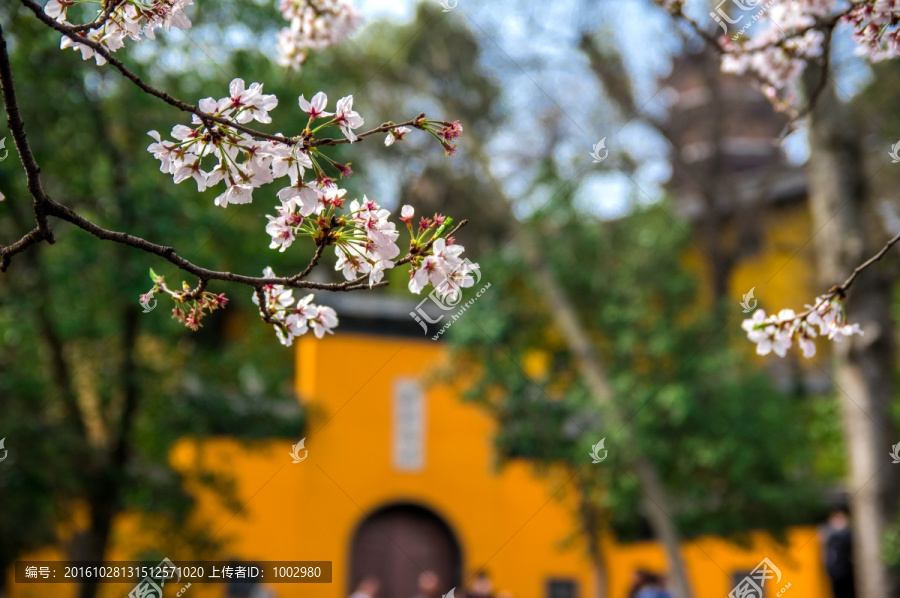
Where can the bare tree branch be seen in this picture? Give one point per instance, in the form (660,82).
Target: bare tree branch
(32,170)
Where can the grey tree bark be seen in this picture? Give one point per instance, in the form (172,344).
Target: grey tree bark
(863,367)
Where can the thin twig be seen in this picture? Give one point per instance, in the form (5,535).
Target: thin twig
(841,289)
(312,263)
(849,282)
(101,19)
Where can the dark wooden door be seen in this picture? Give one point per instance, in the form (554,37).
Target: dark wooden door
(397,543)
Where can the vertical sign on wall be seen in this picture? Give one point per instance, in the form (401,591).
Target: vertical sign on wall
(409,425)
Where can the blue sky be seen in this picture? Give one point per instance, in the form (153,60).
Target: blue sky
(543,36)
(530,48)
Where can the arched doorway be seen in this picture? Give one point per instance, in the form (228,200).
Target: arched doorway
(396,543)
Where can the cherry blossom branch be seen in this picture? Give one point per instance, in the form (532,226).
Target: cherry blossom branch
(779,331)
(842,288)
(204,274)
(110,6)
(44,206)
(676,12)
(320,247)
(776,56)
(814,94)
(363,237)
(73,34)
(384,128)
(423,249)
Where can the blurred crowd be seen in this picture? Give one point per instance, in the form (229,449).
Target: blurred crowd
(644,585)
(428,587)
(835,537)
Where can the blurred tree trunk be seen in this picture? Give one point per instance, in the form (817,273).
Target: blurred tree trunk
(106,492)
(592,522)
(601,579)
(566,318)
(655,495)
(863,366)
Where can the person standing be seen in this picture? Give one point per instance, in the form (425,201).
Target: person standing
(482,587)
(367,588)
(428,584)
(648,585)
(838,551)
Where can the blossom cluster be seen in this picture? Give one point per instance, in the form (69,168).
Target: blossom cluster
(778,54)
(242,161)
(292,317)
(218,146)
(779,332)
(190,306)
(211,151)
(314,25)
(796,33)
(876,28)
(367,245)
(132,19)
(442,265)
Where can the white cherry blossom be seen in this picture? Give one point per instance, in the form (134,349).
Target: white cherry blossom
(292,319)
(316,106)
(314,25)
(132,19)
(777,333)
(346,118)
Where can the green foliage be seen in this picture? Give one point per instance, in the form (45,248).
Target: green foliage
(729,446)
